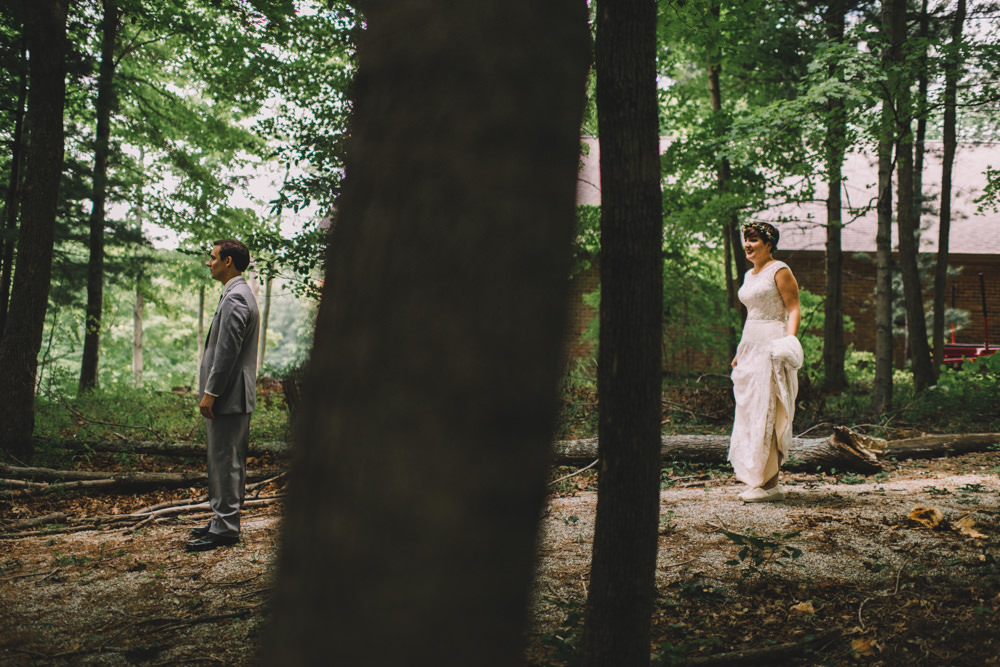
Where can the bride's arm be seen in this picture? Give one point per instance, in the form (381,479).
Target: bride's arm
(789,290)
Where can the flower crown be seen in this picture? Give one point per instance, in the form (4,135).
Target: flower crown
(763,230)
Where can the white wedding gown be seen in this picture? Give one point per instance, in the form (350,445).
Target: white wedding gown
(765,382)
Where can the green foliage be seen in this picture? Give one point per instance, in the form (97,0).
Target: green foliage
(963,399)
(695,317)
(587,240)
(758,554)
(122,411)
(565,642)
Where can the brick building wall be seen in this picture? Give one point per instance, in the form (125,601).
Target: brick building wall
(810,270)
(675,359)
(859,293)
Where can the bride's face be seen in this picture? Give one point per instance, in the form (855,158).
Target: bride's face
(755,247)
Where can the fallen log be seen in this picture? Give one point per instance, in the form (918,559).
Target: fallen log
(930,445)
(843,450)
(47,479)
(175,448)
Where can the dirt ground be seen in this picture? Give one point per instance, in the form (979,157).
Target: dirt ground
(848,570)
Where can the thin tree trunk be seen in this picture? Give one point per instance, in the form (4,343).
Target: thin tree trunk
(882,389)
(137,313)
(201,332)
(437,341)
(906,216)
(622,575)
(45,29)
(95,267)
(834,346)
(8,231)
(264,317)
(139,308)
(952,63)
(735,268)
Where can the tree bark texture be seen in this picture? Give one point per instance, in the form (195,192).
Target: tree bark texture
(438,341)
(45,29)
(950,143)
(102,147)
(619,602)
(907,218)
(8,227)
(882,388)
(834,345)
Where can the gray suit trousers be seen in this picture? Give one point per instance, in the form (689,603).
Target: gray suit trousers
(228,438)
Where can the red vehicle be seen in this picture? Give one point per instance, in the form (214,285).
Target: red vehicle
(956,353)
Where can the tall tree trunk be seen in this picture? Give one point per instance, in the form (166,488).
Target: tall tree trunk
(8,227)
(920,114)
(139,306)
(438,340)
(95,267)
(882,389)
(731,238)
(919,149)
(45,29)
(264,317)
(906,216)
(622,576)
(201,331)
(951,74)
(834,346)
(137,314)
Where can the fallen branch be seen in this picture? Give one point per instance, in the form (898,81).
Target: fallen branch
(132,521)
(54,517)
(177,448)
(761,656)
(128,481)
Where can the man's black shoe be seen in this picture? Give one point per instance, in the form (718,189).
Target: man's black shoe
(200,532)
(211,541)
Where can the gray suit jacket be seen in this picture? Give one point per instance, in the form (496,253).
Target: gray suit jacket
(229,365)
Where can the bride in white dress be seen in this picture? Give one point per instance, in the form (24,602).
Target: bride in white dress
(764,370)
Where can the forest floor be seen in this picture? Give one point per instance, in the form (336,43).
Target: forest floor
(848,570)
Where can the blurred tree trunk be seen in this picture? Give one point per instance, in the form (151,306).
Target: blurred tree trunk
(45,29)
(102,147)
(622,576)
(951,74)
(439,339)
(8,226)
(834,346)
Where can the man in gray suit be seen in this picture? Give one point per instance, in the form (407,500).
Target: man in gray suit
(227,384)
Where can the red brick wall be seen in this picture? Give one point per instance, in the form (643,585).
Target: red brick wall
(810,271)
(859,293)
(675,360)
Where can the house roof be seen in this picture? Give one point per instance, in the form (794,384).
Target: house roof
(802,224)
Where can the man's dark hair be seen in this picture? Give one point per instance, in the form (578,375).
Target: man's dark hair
(236,250)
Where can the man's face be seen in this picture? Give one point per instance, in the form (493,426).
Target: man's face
(216,265)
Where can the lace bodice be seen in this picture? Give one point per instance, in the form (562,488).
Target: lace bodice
(760,294)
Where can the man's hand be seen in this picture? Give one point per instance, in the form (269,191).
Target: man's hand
(207,401)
